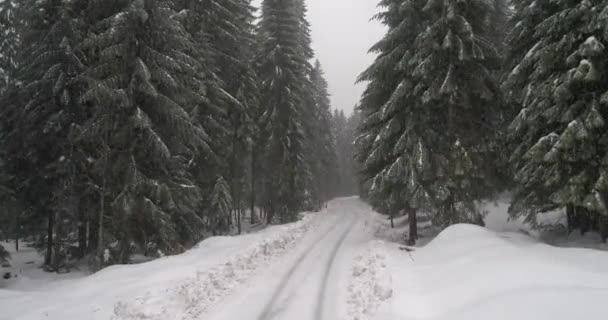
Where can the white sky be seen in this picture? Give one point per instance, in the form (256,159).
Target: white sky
(342,34)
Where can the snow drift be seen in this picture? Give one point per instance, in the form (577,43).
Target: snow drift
(469,272)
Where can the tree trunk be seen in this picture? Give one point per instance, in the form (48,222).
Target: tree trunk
(57,255)
(392,216)
(584,219)
(102,193)
(269,215)
(49,238)
(238,218)
(17,229)
(413,221)
(571,218)
(82,233)
(92,236)
(253,173)
(102,210)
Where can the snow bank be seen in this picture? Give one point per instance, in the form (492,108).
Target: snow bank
(192,296)
(212,269)
(370,284)
(469,272)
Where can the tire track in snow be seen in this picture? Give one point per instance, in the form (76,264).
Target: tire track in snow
(274,307)
(191,297)
(324,282)
(271,309)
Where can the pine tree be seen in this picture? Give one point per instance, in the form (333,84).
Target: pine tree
(40,115)
(391,146)
(282,70)
(427,127)
(454,66)
(9,43)
(223,32)
(230,30)
(344,132)
(323,151)
(560,142)
(146,87)
(221,206)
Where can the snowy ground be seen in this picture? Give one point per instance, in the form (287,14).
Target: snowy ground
(471,273)
(26,272)
(504,271)
(119,291)
(344,263)
(311,281)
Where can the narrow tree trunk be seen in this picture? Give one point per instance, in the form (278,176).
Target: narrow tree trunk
(413,221)
(238,218)
(92,236)
(82,232)
(57,256)
(49,238)
(17,229)
(584,219)
(102,209)
(269,215)
(102,197)
(392,216)
(571,218)
(253,176)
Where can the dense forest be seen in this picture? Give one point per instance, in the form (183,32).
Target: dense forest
(145,126)
(470,98)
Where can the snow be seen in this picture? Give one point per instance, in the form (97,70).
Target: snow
(370,283)
(125,289)
(191,297)
(469,272)
(553,227)
(26,274)
(344,263)
(312,280)
(503,271)
(594,46)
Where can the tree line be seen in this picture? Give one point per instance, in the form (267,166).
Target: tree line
(470,98)
(144,126)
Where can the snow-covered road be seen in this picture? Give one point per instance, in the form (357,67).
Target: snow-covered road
(311,281)
(332,265)
(302,270)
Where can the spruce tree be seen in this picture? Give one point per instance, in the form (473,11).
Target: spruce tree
(146,87)
(391,143)
(344,132)
(40,116)
(282,70)
(9,43)
(455,66)
(230,32)
(557,77)
(223,33)
(323,149)
(221,207)
(427,114)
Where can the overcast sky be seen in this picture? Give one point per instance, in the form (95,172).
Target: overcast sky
(342,34)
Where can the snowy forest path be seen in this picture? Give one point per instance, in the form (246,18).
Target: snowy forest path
(309,283)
